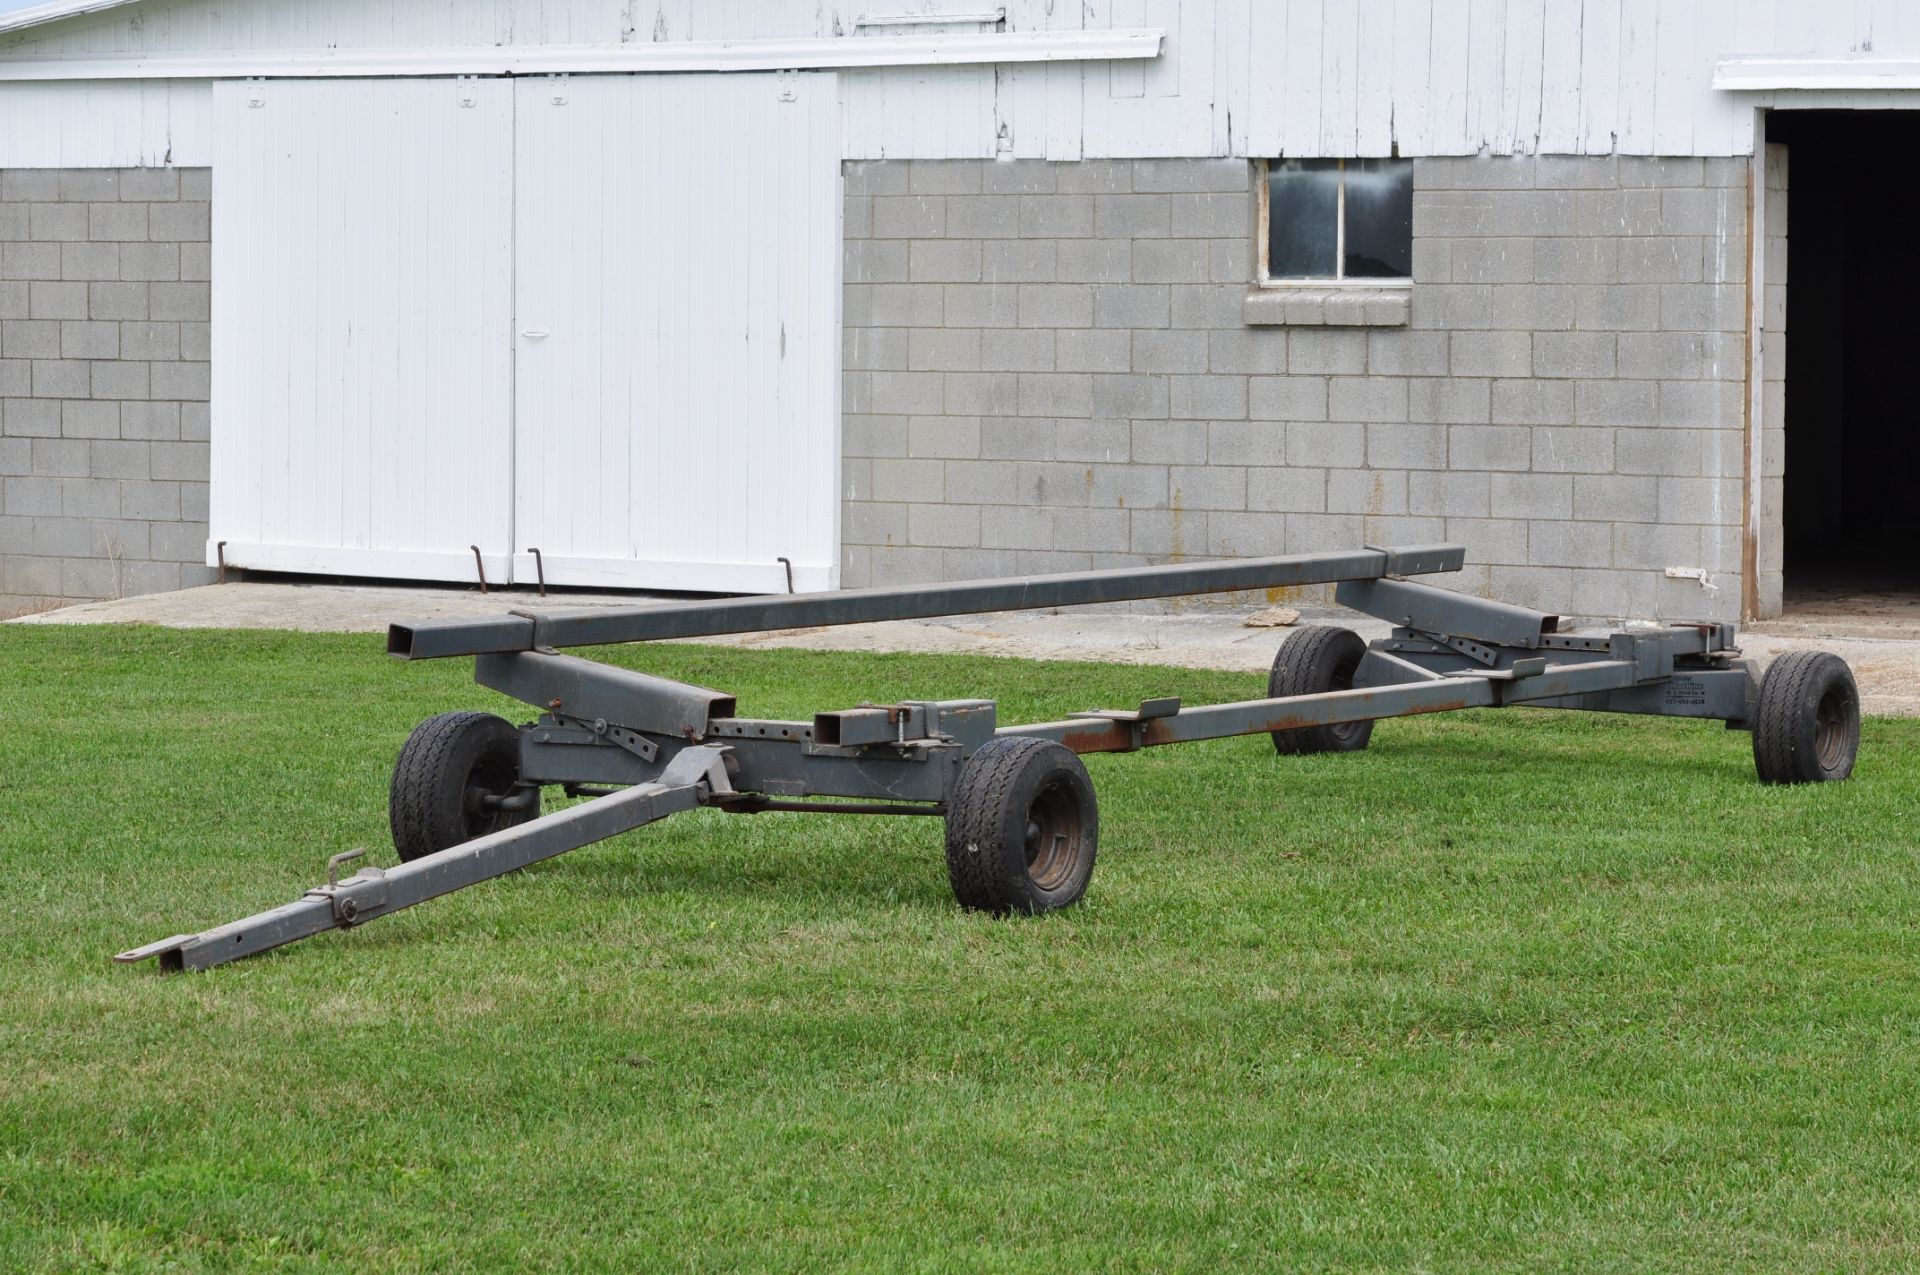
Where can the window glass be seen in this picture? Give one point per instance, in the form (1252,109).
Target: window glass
(1303,218)
(1379,219)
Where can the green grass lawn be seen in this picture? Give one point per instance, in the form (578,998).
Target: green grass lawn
(1511,990)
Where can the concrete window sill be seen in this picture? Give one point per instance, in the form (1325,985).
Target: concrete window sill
(1310,307)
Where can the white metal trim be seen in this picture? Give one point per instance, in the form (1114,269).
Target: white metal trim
(1853,72)
(41,14)
(383,564)
(721,55)
(690,577)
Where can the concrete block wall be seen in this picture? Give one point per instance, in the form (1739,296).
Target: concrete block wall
(1048,367)
(103,383)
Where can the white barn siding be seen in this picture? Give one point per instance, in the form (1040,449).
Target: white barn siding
(1237,77)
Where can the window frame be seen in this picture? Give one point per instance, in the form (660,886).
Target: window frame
(1263,233)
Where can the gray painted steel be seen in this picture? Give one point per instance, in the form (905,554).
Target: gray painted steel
(670,747)
(436,639)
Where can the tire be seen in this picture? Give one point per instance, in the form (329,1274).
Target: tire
(1806,728)
(1313,659)
(1022,828)
(449,766)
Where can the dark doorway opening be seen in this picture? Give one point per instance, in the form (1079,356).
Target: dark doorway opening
(1853,359)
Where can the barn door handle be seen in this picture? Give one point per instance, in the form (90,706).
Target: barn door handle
(536,334)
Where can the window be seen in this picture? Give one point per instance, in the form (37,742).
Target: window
(1334,220)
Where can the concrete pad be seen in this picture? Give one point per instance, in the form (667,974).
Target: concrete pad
(1885,656)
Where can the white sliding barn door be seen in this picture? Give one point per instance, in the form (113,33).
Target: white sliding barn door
(362,326)
(678,244)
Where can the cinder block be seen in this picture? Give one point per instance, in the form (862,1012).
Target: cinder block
(1713,212)
(1663,259)
(1519,495)
(1614,498)
(1407,353)
(1679,452)
(1093,177)
(194,423)
(1452,305)
(1020,350)
(1356,398)
(1410,447)
(908,393)
(1134,486)
(61,378)
(905,217)
(1171,261)
(1574,354)
(1532,402)
(24,496)
(1211,216)
(864,261)
(1614,595)
(1332,444)
(50,300)
(1666,171)
(1703,307)
(895,566)
(1209,305)
(154,502)
(911,481)
(1090,529)
(1576,260)
(1207,397)
(1100,440)
(1627,403)
(1208,487)
(89,261)
(982,305)
(14,297)
(1617,308)
(59,458)
(16,378)
(1572,172)
(30,418)
(871,349)
(1461,495)
(178,542)
(196,265)
(1178,176)
(943,261)
(90,498)
(1094,349)
(944,525)
(149,185)
(83,340)
(1287,398)
(856,217)
(1493,261)
(1324,353)
(81,418)
(119,223)
(1473,172)
(1132,397)
(944,177)
(1569,544)
(1133,216)
(30,261)
(1247,442)
(1292,489)
(121,379)
(1172,351)
(1169,534)
(150,422)
(1133,306)
(1016,527)
(1322,533)
(1540,588)
(1093,261)
(1579,449)
(1676,356)
(1525,308)
(110,301)
(1492,353)
(115,458)
(943,349)
(1019,177)
(1012,438)
(981,393)
(863,435)
(1056,216)
(1707,501)
(141,578)
(144,262)
(180,462)
(875,177)
(980,482)
(1616,213)
(1655,546)
(1489,540)
(1171,443)
(944,438)
(86,185)
(1708,404)
(57,223)
(29,185)
(30,339)
(1056,305)
(1488,447)
(1056,394)
(1449,400)
(1373,492)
